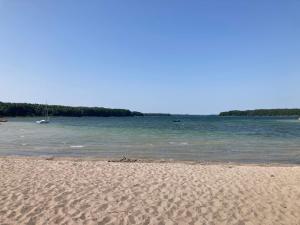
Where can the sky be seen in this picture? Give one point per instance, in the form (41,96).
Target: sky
(170,56)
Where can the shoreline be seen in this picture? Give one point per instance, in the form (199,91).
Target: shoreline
(146,160)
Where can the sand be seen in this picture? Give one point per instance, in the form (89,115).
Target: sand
(39,191)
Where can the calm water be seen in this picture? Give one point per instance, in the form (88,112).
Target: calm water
(194,138)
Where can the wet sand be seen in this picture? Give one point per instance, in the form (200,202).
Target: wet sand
(70,191)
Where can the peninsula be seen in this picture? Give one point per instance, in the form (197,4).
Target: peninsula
(27,109)
(262,112)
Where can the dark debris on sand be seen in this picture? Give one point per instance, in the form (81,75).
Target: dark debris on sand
(124,159)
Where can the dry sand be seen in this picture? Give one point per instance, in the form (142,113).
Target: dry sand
(39,191)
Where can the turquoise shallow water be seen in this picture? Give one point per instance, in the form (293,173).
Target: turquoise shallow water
(208,138)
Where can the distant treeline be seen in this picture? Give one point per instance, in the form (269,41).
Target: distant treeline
(263,112)
(26,109)
(157,114)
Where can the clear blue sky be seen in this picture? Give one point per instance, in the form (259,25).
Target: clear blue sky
(198,57)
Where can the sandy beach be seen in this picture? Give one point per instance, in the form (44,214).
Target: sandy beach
(64,191)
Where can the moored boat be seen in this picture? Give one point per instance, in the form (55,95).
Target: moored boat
(46,120)
(42,121)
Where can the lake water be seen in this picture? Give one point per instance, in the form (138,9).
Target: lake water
(210,138)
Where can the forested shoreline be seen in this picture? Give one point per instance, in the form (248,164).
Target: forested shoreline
(28,109)
(262,112)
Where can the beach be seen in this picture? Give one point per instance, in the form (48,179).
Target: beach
(78,191)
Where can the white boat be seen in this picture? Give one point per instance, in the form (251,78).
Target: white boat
(42,121)
(46,120)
